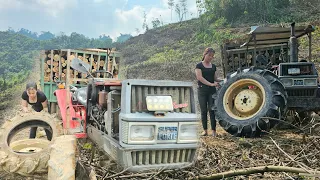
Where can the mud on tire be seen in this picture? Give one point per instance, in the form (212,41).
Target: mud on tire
(27,163)
(248,116)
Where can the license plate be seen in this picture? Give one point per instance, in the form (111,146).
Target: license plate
(298,82)
(293,71)
(167,133)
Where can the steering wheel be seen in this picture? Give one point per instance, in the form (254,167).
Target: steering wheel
(102,71)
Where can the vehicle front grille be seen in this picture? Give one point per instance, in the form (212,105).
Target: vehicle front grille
(180,95)
(162,156)
(301,92)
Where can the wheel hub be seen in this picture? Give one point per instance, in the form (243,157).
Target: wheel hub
(247,101)
(244,99)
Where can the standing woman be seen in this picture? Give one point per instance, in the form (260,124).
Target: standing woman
(207,82)
(38,101)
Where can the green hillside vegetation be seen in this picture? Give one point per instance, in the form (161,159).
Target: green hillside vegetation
(171,51)
(18,54)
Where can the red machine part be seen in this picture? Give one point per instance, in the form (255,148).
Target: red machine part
(77,114)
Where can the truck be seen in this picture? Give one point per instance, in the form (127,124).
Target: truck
(141,124)
(265,80)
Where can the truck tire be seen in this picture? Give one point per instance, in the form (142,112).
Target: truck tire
(246,101)
(62,163)
(28,156)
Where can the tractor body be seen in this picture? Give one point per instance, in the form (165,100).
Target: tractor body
(268,78)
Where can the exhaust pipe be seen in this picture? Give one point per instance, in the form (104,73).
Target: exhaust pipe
(293,45)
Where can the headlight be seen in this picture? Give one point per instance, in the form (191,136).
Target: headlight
(310,82)
(287,82)
(159,103)
(142,133)
(188,132)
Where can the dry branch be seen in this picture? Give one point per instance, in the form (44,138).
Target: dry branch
(261,169)
(302,165)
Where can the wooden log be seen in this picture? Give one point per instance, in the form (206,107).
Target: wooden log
(46,74)
(55,69)
(101,63)
(110,65)
(55,64)
(46,79)
(63,60)
(94,66)
(71,57)
(56,57)
(45,66)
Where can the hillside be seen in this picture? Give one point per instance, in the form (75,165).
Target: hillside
(171,49)
(168,52)
(171,52)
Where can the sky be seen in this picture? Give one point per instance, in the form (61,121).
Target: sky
(88,17)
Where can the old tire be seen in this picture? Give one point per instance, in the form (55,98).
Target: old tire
(62,163)
(21,162)
(244,112)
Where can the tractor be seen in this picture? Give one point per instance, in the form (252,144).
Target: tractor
(265,81)
(141,124)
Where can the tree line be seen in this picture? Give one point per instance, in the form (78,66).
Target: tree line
(17,54)
(47,35)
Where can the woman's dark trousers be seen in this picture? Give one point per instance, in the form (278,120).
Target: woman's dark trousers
(205,100)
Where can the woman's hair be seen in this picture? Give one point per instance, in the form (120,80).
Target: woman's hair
(31,85)
(207,51)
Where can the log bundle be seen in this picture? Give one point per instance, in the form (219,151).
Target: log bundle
(56,64)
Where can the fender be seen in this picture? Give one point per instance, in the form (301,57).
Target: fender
(77,119)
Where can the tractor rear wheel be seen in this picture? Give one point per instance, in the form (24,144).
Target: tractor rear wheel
(248,100)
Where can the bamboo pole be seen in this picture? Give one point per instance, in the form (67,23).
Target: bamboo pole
(66,128)
(260,169)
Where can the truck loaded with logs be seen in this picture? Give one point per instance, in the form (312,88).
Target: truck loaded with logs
(140,124)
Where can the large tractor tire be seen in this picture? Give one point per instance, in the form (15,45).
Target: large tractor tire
(62,163)
(248,101)
(29,156)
